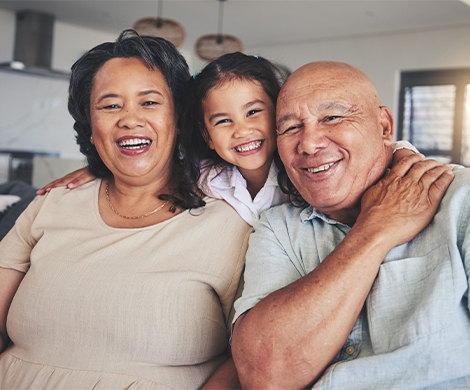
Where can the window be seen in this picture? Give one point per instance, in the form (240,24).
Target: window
(434,113)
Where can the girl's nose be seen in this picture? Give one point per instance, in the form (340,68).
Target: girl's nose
(242,130)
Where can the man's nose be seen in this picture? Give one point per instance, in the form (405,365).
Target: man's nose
(312,139)
(131,119)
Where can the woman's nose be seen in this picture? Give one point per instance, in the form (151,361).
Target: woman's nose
(131,119)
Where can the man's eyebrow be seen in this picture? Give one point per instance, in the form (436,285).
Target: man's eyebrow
(335,105)
(285,118)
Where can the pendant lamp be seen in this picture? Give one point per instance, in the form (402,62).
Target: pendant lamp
(163,28)
(212,46)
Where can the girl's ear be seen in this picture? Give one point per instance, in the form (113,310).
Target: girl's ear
(206,136)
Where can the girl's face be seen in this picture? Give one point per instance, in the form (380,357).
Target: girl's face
(240,120)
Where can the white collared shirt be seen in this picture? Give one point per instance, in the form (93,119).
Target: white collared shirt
(228,183)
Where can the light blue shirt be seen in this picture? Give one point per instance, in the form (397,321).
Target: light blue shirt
(414,329)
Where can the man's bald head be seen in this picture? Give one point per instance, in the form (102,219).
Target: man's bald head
(334,136)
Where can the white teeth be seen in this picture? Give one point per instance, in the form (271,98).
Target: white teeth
(320,168)
(248,147)
(134,143)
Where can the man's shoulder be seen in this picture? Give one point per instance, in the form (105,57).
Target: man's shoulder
(286,211)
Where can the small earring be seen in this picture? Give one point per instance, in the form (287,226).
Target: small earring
(91,139)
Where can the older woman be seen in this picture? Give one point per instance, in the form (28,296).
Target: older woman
(127,282)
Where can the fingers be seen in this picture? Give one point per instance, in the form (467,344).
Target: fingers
(439,184)
(402,167)
(71,180)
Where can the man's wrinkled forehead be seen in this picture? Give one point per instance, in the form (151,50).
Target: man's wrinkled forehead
(321,86)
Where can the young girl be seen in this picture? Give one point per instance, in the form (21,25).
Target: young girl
(230,129)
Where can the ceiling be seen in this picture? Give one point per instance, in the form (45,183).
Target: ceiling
(263,22)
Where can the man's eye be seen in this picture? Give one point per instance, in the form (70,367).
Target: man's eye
(222,121)
(252,112)
(331,118)
(290,130)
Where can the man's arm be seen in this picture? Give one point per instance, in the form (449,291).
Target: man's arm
(290,337)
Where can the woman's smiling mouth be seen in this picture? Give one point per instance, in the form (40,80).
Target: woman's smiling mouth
(134,143)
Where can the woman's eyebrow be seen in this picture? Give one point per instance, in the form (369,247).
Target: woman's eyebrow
(149,92)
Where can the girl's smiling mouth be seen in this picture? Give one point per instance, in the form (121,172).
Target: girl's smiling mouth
(248,147)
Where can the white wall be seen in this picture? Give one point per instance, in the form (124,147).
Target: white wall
(33,111)
(382,57)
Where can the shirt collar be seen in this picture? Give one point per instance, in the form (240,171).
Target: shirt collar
(310,213)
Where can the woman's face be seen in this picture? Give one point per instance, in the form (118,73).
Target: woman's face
(132,120)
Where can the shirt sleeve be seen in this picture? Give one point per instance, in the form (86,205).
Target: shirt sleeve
(16,246)
(403,145)
(269,266)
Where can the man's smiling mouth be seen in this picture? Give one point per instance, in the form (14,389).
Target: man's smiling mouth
(248,147)
(321,168)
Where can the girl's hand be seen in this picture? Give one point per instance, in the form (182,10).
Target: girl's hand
(405,200)
(72,180)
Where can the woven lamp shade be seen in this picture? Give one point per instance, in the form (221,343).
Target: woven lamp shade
(210,47)
(163,28)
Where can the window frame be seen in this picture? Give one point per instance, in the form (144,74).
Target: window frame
(460,77)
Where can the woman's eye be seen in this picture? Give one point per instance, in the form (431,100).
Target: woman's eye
(150,103)
(251,112)
(111,107)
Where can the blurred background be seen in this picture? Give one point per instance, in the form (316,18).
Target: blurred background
(417,53)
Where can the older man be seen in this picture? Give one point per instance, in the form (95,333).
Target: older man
(336,295)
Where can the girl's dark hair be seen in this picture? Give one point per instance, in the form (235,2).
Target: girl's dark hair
(158,54)
(233,66)
(287,186)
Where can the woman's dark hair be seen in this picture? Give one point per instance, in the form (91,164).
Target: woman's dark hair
(158,54)
(233,66)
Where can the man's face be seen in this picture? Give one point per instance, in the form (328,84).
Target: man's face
(334,138)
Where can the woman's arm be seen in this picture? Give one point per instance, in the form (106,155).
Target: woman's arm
(9,282)
(72,180)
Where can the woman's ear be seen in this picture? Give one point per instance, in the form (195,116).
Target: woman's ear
(386,123)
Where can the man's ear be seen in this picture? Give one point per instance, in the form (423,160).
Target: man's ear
(386,123)
(206,136)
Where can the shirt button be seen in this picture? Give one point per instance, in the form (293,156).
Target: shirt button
(350,350)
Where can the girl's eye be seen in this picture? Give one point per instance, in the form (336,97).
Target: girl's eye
(222,121)
(251,112)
